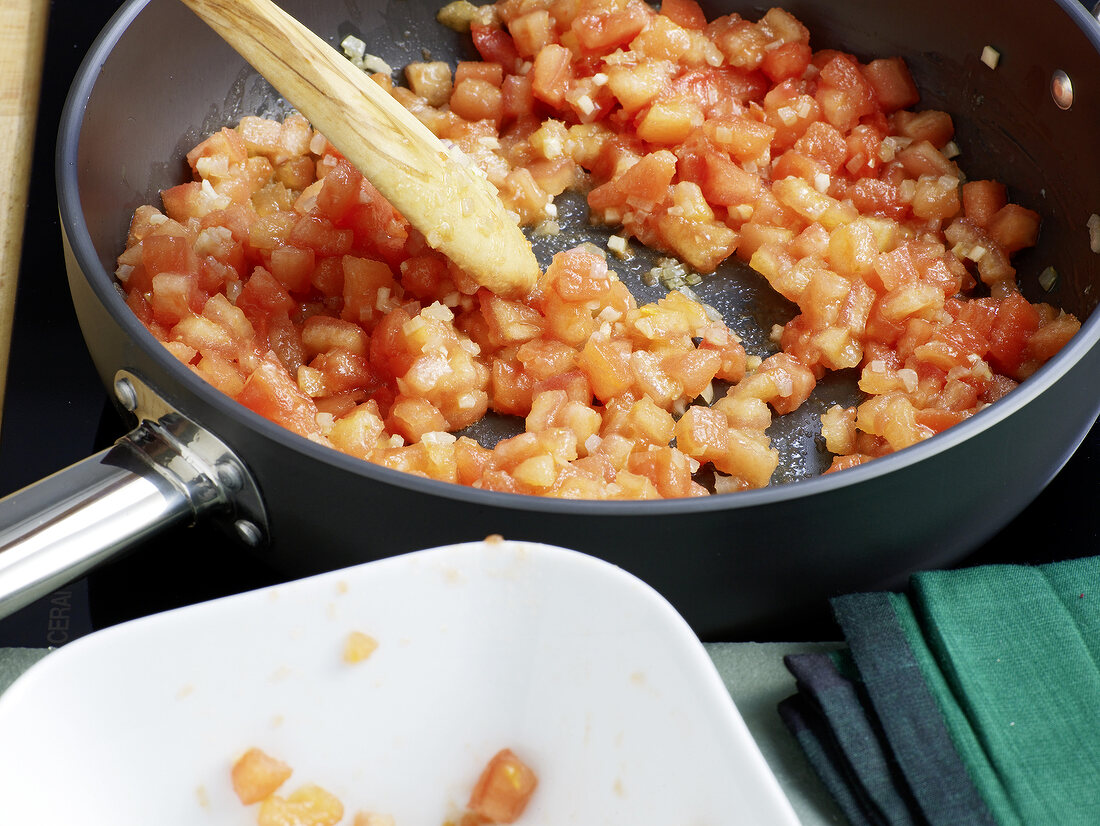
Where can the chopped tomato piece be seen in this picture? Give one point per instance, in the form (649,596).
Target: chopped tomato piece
(504,788)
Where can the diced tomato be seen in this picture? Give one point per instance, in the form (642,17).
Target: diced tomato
(607,365)
(579,275)
(364,280)
(511,388)
(1015,323)
(666,468)
(339,192)
(491,73)
(982,199)
(226,144)
(725,183)
(477,99)
(1014,227)
(292,267)
(686,13)
(263,296)
(551,74)
(270,392)
(603,30)
(642,186)
(320,235)
(892,84)
(712,88)
(531,31)
(517,98)
(930,125)
(843,92)
(787,61)
(495,45)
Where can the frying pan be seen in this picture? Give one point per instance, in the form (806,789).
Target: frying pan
(157,80)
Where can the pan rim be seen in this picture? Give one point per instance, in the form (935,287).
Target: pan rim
(78,237)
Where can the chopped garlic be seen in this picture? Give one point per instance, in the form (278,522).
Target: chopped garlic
(440,312)
(439,437)
(1048,278)
(617,244)
(908,378)
(1094,232)
(991,57)
(353,47)
(382,300)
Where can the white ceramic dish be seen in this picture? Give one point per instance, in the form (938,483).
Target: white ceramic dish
(583,670)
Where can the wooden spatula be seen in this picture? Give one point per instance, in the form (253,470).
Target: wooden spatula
(458,211)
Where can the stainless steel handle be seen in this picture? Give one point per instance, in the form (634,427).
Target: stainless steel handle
(167,470)
(70,522)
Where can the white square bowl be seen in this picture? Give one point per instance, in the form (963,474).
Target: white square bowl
(588,674)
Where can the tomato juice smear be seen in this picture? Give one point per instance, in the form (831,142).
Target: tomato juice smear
(282,277)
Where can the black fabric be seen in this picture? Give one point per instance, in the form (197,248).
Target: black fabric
(875,780)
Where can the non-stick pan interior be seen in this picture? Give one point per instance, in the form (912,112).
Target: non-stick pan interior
(169,80)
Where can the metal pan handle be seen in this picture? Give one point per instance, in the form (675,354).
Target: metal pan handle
(164,472)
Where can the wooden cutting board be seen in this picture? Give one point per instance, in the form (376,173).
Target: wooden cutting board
(22,44)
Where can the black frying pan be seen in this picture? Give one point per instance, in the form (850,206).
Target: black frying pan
(157,80)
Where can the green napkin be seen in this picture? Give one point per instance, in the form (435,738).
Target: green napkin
(1019,649)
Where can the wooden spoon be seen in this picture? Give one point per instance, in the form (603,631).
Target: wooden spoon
(445,198)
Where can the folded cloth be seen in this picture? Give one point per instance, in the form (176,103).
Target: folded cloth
(972,699)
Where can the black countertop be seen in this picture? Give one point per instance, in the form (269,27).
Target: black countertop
(56,413)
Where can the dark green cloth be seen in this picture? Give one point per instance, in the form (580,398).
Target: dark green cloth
(985,685)
(908,712)
(815,738)
(1018,648)
(835,715)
